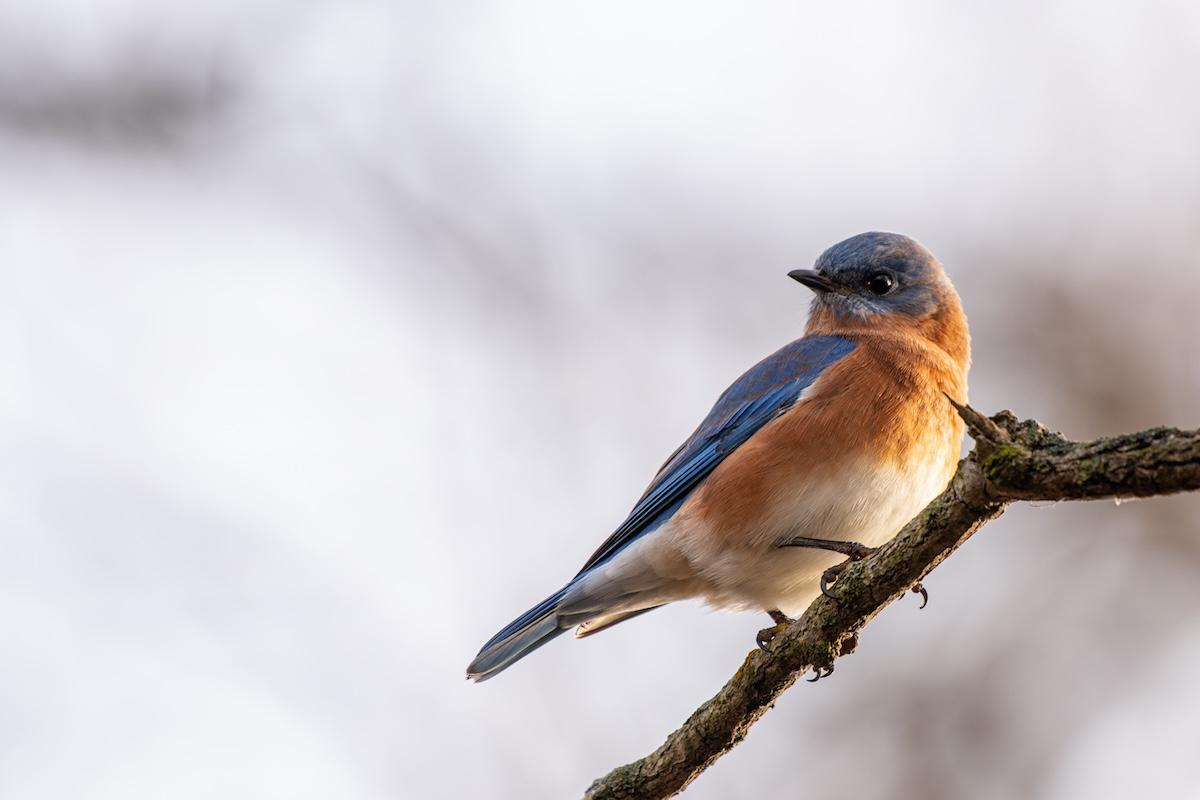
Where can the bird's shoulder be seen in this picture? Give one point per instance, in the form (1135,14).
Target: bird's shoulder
(778,379)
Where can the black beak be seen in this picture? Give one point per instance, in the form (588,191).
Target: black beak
(813,280)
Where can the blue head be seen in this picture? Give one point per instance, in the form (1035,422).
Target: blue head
(875,274)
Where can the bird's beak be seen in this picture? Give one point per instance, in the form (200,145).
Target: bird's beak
(813,280)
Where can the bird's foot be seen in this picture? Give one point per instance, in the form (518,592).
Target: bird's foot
(821,672)
(852,550)
(767,635)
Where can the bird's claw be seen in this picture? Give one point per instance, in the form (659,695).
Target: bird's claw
(833,573)
(821,672)
(918,588)
(830,575)
(766,636)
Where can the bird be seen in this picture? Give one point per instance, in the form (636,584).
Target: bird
(823,449)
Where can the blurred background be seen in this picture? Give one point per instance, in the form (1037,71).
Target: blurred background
(335,334)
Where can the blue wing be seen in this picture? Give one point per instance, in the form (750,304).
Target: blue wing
(767,390)
(764,392)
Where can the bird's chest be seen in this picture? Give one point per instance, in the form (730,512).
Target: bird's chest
(866,479)
(861,453)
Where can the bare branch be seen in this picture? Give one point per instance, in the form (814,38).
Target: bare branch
(1011,461)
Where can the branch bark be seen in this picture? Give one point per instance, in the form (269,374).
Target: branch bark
(1012,460)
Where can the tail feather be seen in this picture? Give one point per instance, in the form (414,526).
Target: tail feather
(592,604)
(495,658)
(518,639)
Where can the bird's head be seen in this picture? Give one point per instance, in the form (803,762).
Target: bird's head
(883,279)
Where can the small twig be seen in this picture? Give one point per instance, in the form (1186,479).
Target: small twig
(981,427)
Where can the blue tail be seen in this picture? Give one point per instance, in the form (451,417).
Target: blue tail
(519,638)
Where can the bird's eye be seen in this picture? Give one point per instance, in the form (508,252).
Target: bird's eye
(880,283)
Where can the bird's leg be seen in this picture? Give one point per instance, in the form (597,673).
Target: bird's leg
(852,550)
(767,635)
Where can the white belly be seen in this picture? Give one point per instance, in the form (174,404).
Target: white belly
(865,505)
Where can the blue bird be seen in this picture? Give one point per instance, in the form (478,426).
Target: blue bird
(841,436)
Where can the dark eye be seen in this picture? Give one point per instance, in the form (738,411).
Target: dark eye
(880,283)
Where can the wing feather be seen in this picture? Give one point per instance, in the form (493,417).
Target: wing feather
(764,392)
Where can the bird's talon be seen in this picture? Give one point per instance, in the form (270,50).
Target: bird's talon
(919,589)
(766,636)
(820,672)
(825,578)
(832,574)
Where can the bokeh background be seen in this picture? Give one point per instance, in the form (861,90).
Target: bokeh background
(334,334)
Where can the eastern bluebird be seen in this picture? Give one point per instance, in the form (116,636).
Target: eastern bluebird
(843,435)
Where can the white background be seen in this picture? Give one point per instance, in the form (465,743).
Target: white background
(334,335)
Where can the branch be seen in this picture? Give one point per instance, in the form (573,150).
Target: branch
(1011,461)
